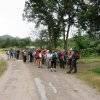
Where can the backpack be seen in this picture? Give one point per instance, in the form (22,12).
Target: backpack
(77,56)
(37,55)
(59,55)
(30,53)
(54,56)
(40,55)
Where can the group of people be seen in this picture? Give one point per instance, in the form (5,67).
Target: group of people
(13,54)
(49,58)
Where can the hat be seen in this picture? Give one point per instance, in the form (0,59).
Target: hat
(71,49)
(47,50)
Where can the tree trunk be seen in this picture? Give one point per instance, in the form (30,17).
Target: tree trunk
(66,41)
(50,38)
(53,41)
(64,36)
(41,44)
(53,38)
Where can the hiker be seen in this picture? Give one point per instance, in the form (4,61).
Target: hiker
(69,57)
(60,59)
(63,59)
(34,54)
(24,55)
(40,60)
(30,53)
(8,55)
(11,54)
(37,56)
(17,55)
(53,61)
(48,58)
(73,58)
(14,54)
(43,52)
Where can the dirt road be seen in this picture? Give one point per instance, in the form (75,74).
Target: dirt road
(27,82)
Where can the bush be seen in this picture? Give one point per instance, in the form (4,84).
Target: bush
(88,52)
(98,49)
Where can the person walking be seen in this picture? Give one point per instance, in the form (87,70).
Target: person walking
(53,61)
(40,60)
(48,59)
(37,57)
(60,59)
(24,56)
(72,62)
(11,53)
(43,52)
(30,56)
(14,54)
(63,59)
(69,57)
(8,55)
(17,55)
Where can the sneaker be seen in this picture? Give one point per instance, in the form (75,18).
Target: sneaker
(54,70)
(74,72)
(68,72)
(51,69)
(38,66)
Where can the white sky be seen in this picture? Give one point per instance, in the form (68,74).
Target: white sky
(11,22)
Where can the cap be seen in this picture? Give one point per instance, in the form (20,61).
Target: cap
(71,49)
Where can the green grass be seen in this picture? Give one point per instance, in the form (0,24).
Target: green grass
(91,76)
(89,59)
(2,51)
(88,71)
(3,66)
(96,70)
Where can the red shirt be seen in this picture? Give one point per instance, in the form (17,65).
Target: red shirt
(62,53)
(37,54)
(43,52)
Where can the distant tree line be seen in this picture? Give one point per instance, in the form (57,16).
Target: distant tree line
(15,42)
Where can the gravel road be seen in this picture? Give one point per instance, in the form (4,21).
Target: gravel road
(25,81)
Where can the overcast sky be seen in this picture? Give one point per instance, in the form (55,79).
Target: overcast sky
(11,22)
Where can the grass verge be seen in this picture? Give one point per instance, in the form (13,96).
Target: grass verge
(89,59)
(88,71)
(3,66)
(90,75)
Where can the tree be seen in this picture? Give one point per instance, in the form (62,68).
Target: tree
(41,12)
(57,15)
(67,16)
(89,17)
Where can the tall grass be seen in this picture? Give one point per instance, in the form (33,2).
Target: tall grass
(3,66)
(91,76)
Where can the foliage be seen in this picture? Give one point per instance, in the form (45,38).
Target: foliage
(3,65)
(22,43)
(57,15)
(41,12)
(81,42)
(98,49)
(60,15)
(89,18)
